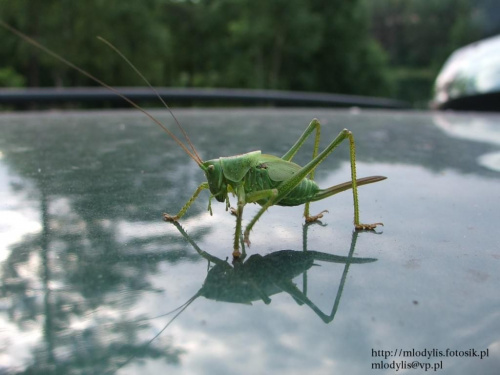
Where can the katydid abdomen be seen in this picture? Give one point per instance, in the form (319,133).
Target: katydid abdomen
(270,171)
(263,176)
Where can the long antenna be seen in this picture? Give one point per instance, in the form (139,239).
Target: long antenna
(33,42)
(110,45)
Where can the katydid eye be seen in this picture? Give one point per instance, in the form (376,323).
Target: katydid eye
(211,168)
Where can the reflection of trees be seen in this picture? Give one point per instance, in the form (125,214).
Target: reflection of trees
(88,285)
(89,177)
(71,275)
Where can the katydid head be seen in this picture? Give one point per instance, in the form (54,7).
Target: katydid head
(215,178)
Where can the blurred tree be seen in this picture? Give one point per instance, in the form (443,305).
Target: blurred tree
(9,78)
(423,32)
(270,40)
(71,28)
(349,58)
(294,44)
(313,45)
(419,35)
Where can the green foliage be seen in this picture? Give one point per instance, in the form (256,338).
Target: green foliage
(419,35)
(273,37)
(423,32)
(294,44)
(414,84)
(71,29)
(9,78)
(348,58)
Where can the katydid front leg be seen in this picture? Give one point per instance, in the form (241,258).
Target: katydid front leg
(238,212)
(183,210)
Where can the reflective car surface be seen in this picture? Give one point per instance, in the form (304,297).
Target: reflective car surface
(89,270)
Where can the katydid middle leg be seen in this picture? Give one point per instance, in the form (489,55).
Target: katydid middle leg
(250,198)
(238,212)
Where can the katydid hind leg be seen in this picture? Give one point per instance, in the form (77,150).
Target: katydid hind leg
(313,164)
(332,190)
(315,126)
(287,186)
(352,156)
(307,216)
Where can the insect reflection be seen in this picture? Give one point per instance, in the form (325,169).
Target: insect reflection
(259,277)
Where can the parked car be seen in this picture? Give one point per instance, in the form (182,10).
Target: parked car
(470,78)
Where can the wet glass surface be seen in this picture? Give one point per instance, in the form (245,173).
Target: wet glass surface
(88,267)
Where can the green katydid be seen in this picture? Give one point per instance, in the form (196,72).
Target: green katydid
(252,177)
(269,180)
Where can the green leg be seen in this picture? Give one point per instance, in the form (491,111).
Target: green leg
(183,210)
(254,197)
(352,152)
(288,185)
(307,216)
(313,126)
(240,193)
